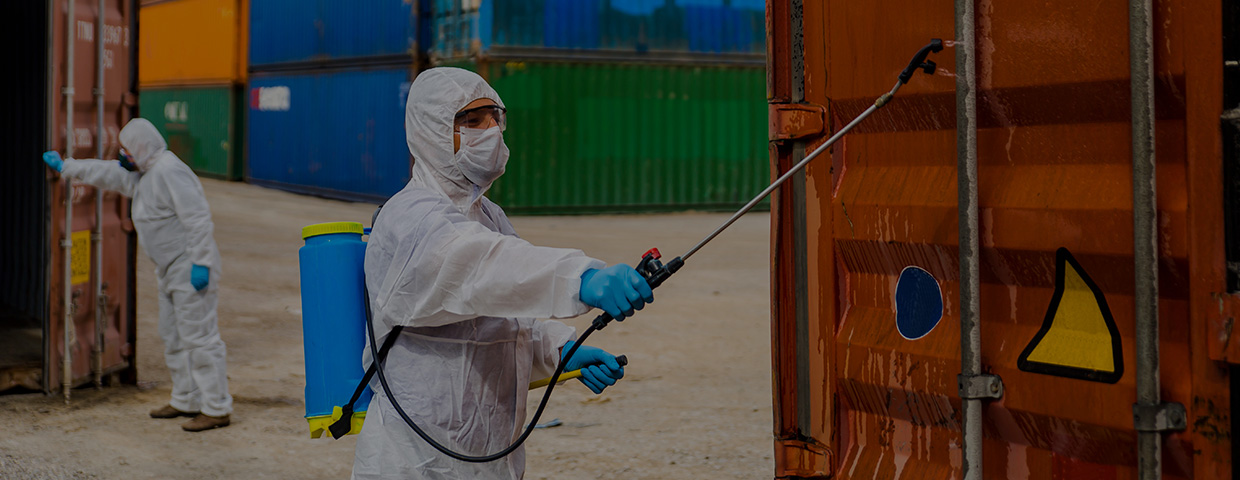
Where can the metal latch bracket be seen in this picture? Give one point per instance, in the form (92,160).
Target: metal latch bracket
(1165,417)
(980,386)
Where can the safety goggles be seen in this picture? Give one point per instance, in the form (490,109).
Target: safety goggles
(478,117)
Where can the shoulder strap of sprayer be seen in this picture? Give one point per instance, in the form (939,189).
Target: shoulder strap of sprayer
(344,424)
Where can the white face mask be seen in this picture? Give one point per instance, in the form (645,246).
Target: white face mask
(482,156)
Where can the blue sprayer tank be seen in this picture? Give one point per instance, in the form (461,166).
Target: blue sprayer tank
(333,320)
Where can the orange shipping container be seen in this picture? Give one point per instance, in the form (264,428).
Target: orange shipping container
(867,271)
(193,42)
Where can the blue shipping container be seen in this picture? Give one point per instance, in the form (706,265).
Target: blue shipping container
(634,26)
(293,31)
(339,134)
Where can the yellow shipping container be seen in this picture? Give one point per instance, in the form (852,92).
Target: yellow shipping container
(193,42)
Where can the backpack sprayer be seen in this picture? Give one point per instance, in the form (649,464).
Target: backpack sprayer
(333,295)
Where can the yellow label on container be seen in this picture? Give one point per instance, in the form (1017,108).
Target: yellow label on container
(81,257)
(1079,338)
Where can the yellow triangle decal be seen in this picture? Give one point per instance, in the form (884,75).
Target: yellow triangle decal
(1078,338)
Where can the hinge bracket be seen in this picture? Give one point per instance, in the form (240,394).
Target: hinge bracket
(795,121)
(799,458)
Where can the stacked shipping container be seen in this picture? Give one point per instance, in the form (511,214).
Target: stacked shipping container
(635,105)
(614,105)
(626,29)
(594,137)
(327,95)
(191,75)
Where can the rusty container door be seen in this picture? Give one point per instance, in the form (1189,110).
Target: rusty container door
(92,136)
(866,271)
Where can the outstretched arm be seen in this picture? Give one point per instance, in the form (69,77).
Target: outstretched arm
(428,266)
(105,174)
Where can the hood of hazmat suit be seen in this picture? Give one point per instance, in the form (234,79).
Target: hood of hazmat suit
(173,221)
(143,142)
(445,262)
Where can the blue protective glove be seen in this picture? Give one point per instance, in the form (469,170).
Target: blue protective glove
(617,289)
(599,369)
(52,159)
(199,277)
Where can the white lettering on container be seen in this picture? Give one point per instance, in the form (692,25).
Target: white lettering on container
(112,35)
(271,99)
(83,137)
(176,112)
(115,35)
(85,31)
(80,193)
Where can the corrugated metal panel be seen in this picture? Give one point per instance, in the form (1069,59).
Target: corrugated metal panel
(606,137)
(338,134)
(638,27)
(296,31)
(189,42)
(870,245)
(200,125)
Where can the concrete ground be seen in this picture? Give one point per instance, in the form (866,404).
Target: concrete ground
(695,401)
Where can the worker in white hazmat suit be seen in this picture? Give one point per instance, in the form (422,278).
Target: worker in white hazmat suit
(445,262)
(174,227)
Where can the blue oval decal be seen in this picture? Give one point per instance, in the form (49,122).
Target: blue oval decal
(919,303)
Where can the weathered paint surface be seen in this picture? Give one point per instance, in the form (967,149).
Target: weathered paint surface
(1054,172)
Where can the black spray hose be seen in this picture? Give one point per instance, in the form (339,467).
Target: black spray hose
(559,369)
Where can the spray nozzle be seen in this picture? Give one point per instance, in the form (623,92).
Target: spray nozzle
(919,60)
(653,270)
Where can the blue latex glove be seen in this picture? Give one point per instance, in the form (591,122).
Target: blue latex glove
(52,159)
(617,289)
(599,369)
(199,277)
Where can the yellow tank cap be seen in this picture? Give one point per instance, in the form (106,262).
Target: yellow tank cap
(330,227)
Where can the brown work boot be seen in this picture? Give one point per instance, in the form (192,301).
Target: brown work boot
(169,411)
(205,422)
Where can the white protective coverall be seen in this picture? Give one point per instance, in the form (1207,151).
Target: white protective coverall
(445,261)
(174,227)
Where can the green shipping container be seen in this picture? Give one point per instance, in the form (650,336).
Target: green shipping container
(203,126)
(590,137)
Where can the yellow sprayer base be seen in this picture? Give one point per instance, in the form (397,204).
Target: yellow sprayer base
(319,424)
